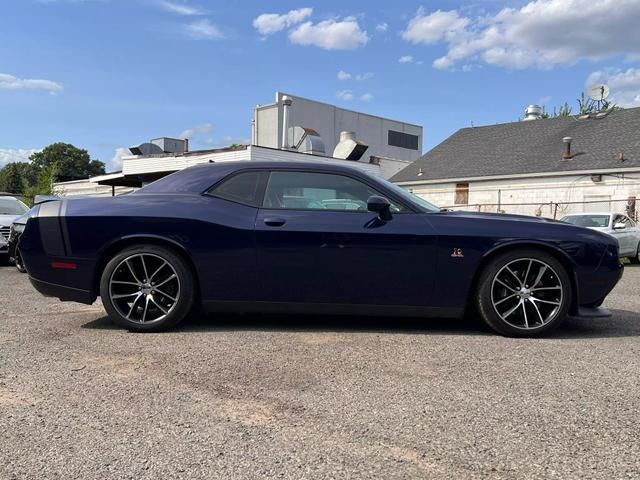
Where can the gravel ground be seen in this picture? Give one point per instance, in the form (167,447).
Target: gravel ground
(242,397)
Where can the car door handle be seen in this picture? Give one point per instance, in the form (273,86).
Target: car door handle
(274,221)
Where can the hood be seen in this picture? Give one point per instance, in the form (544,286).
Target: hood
(7,220)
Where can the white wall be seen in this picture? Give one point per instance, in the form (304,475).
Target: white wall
(538,191)
(85,187)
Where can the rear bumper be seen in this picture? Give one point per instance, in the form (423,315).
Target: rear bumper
(65,294)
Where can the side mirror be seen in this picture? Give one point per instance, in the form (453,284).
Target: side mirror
(619,226)
(381,206)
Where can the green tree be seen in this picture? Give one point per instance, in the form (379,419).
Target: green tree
(69,161)
(14,175)
(43,185)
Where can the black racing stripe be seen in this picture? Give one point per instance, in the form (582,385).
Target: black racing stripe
(50,235)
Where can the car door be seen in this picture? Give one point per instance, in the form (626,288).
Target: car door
(317,243)
(631,235)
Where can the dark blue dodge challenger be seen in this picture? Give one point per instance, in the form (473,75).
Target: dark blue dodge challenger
(311,237)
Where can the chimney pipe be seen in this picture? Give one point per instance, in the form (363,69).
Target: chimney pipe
(186,145)
(286,103)
(566,154)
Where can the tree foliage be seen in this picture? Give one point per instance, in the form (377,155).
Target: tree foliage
(586,106)
(71,162)
(56,162)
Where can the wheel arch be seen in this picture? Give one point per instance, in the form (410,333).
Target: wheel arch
(113,248)
(558,254)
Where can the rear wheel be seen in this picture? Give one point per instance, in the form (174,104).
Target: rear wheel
(147,288)
(524,293)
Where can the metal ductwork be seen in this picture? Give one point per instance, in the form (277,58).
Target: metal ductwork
(348,148)
(305,140)
(161,145)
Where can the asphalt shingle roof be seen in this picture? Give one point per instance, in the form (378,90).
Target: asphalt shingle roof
(532,147)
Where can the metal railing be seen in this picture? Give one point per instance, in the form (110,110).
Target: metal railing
(555,209)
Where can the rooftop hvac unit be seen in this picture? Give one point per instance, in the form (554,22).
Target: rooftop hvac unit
(159,145)
(305,140)
(348,148)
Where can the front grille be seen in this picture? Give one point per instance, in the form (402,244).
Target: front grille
(4,231)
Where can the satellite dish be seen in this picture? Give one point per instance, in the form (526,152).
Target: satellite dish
(598,92)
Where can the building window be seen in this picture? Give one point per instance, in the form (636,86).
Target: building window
(403,140)
(462,194)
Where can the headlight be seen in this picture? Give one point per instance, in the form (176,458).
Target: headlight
(18,228)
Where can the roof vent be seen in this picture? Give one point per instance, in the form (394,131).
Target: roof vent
(533,112)
(348,148)
(566,154)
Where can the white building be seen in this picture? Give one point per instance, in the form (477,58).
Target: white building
(546,167)
(385,138)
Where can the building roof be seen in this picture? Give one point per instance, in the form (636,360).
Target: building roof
(530,147)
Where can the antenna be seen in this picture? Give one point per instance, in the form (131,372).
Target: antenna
(598,92)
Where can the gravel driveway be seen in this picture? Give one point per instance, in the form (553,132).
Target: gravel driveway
(242,397)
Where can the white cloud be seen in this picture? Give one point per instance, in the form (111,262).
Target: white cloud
(624,85)
(344,95)
(405,59)
(9,155)
(180,8)
(269,23)
(367,97)
(203,30)
(432,28)
(9,82)
(541,34)
(360,77)
(115,163)
(197,131)
(331,34)
(382,27)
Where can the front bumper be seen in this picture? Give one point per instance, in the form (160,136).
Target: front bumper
(64,293)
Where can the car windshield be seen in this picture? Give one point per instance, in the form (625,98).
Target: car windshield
(11,206)
(407,195)
(597,221)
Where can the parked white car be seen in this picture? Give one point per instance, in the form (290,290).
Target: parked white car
(618,225)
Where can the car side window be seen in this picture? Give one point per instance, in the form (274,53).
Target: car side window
(318,191)
(244,187)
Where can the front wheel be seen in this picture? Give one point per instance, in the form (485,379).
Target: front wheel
(636,259)
(524,293)
(17,260)
(147,288)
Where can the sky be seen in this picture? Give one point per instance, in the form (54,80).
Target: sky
(107,74)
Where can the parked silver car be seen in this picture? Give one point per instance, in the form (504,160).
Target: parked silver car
(618,225)
(10,209)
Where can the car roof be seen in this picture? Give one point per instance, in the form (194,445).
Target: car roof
(198,178)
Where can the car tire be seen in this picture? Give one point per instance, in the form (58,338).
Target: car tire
(17,260)
(158,302)
(524,293)
(636,260)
